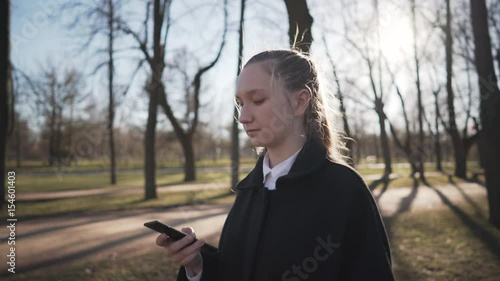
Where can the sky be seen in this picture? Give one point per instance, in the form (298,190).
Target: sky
(40,37)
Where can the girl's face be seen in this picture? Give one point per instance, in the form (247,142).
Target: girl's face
(265,112)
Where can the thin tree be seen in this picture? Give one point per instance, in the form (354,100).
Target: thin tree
(340,96)
(235,131)
(300,21)
(101,18)
(489,106)
(406,145)
(53,94)
(377,89)
(158,94)
(494,17)
(420,151)
(5,92)
(437,134)
(452,129)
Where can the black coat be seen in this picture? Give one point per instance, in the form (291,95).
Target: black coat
(320,224)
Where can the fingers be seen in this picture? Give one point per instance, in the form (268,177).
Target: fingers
(186,251)
(180,244)
(187,254)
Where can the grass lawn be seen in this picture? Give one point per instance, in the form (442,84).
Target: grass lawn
(26,182)
(121,201)
(113,202)
(456,243)
(86,165)
(453,243)
(55,182)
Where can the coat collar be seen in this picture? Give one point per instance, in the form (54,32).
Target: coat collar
(310,158)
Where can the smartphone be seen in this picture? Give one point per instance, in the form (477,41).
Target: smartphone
(174,233)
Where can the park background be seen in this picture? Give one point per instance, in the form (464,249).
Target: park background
(119,112)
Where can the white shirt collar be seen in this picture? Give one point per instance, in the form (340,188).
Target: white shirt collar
(271,175)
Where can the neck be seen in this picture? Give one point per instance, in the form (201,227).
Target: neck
(280,153)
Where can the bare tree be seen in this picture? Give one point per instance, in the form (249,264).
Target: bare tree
(235,131)
(54,94)
(376,84)
(5,91)
(494,17)
(405,146)
(489,107)
(419,156)
(340,96)
(437,134)
(100,18)
(300,21)
(452,129)
(158,94)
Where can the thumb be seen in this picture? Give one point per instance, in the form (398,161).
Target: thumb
(189,231)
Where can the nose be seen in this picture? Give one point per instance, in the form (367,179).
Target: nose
(245,115)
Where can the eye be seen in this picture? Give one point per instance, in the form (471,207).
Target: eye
(259,102)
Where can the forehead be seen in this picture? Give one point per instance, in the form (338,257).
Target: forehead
(253,76)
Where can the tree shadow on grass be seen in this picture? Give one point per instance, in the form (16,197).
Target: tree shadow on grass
(467,198)
(384,181)
(405,204)
(491,243)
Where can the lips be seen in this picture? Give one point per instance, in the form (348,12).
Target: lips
(252,131)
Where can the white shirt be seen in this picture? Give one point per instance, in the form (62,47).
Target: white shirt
(270,176)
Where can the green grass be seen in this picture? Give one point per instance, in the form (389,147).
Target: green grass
(454,243)
(114,202)
(121,201)
(86,165)
(61,182)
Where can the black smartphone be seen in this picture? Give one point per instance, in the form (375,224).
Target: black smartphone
(174,233)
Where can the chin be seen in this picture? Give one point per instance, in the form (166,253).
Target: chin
(257,142)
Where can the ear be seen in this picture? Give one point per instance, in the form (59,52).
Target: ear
(302,99)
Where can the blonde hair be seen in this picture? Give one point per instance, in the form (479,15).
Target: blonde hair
(296,71)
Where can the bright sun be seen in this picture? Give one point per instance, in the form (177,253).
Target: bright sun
(396,39)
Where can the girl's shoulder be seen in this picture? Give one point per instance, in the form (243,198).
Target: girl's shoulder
(343,171)
(344,177)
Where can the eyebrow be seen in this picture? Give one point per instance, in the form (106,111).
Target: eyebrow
(250,92)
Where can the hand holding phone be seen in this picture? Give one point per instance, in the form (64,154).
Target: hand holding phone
(174,233)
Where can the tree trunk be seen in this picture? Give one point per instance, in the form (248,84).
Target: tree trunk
(18,143)
(59,135)
(52,124)
(189,164)
(437,140)
(340,96)
(235,131)
(156,89)
(460,167)
(386,153)
(498,58)
(4,91)
(420,155)
(489,106)
(111,108)
(347,131)
(149,145)
(300,21)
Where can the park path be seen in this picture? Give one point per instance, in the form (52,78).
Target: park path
(43,242)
